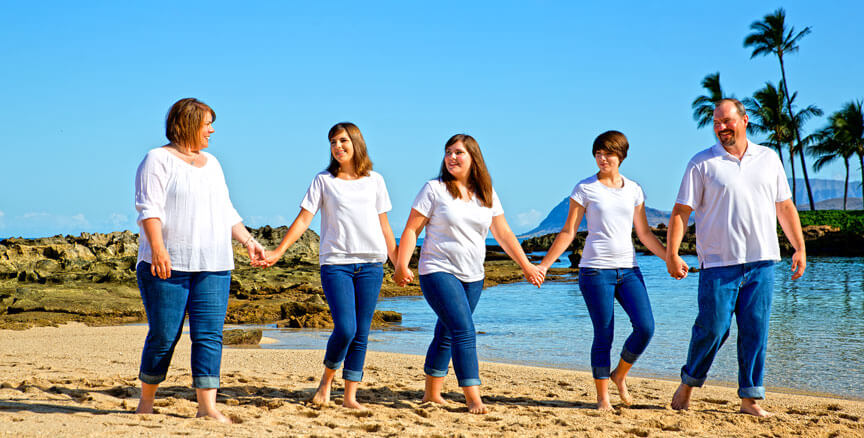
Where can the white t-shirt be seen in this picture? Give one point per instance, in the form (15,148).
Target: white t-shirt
(350,227)
(609,213)
(193,205)
(455,240)
(734,201)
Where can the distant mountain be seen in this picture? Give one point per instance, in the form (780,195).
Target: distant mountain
(835,204)
(823,190)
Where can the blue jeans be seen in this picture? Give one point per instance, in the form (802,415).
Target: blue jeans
(454,302)
(746,291)
(205,296)
(600,288)
(352,292)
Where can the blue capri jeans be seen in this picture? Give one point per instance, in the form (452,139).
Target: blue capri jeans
(600,288)
(204,295)
(352,293)
(454,302)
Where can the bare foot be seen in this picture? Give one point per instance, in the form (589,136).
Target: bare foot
(214,415)
(621,383)
(352,404)
(434,398)
(322,395)
(604,405)
(681,399)
(477,407)
(749,406)
(145,406)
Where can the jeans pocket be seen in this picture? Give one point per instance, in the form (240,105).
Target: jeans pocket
(589,272)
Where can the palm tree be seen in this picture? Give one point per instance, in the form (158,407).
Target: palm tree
(703,106)
(849,126)
(830,146)
(769,36)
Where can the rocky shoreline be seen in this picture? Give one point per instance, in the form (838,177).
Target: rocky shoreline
(90,278)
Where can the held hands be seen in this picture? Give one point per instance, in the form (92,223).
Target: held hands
(270,258)
(535,274)
(256,252)
(403,275)
(676,267)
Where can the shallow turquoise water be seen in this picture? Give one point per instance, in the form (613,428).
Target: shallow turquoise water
(816,340)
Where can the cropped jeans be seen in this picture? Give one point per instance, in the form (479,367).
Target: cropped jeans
(600,288)
(454,302)
(745,290)
(204,295)
(352,293)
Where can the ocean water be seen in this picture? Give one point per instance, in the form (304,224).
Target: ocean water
(816,341)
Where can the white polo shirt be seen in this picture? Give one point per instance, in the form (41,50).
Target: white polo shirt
(734,201)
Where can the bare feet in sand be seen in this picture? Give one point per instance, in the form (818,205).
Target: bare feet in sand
(473,400)
(603,404)
(214,415)
(145,406)
(477,407)
(322,395)
(749,406)
(434,398)
(621,383)
(681,399)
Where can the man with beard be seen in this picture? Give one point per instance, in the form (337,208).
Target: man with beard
(739,191)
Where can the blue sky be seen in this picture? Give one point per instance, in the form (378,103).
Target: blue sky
(86,88)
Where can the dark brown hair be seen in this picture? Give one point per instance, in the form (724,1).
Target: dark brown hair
(185,119)
(742,111)
(611,141)
(362,163)
(479,181)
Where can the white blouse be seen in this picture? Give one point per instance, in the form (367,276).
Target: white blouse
(455,240)
(350,226)
(193,205)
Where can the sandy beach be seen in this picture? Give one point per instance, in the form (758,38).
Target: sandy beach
(77,380)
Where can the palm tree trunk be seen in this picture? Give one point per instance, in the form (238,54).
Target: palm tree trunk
(846,183)
(861,160)
(794,180)
(797,135)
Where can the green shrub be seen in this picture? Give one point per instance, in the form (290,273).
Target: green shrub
(850,221)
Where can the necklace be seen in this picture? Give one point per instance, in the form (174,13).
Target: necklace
(189,157)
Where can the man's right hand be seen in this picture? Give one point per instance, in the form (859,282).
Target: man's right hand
(676,267)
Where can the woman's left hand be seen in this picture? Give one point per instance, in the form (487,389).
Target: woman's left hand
(256,252)
(534,274)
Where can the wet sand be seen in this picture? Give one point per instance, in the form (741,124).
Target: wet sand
(81,381)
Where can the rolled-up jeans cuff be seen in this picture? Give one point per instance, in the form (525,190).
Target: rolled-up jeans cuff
(757,392)
(352,375)
(205,382)
(600,372)
(332,365)
(628,357)
(469,382)
(151,380)
(433,372)
(691,381)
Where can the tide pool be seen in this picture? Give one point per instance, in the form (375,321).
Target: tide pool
(816,341)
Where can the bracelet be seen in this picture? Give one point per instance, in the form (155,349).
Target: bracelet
(251,238)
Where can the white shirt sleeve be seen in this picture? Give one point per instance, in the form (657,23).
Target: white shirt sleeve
(382,198)
(578,195)
(690,192)
(150,182)
(783,190)
(312,201)
(424,203)
(497,208)
(230,212)
(640,196)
